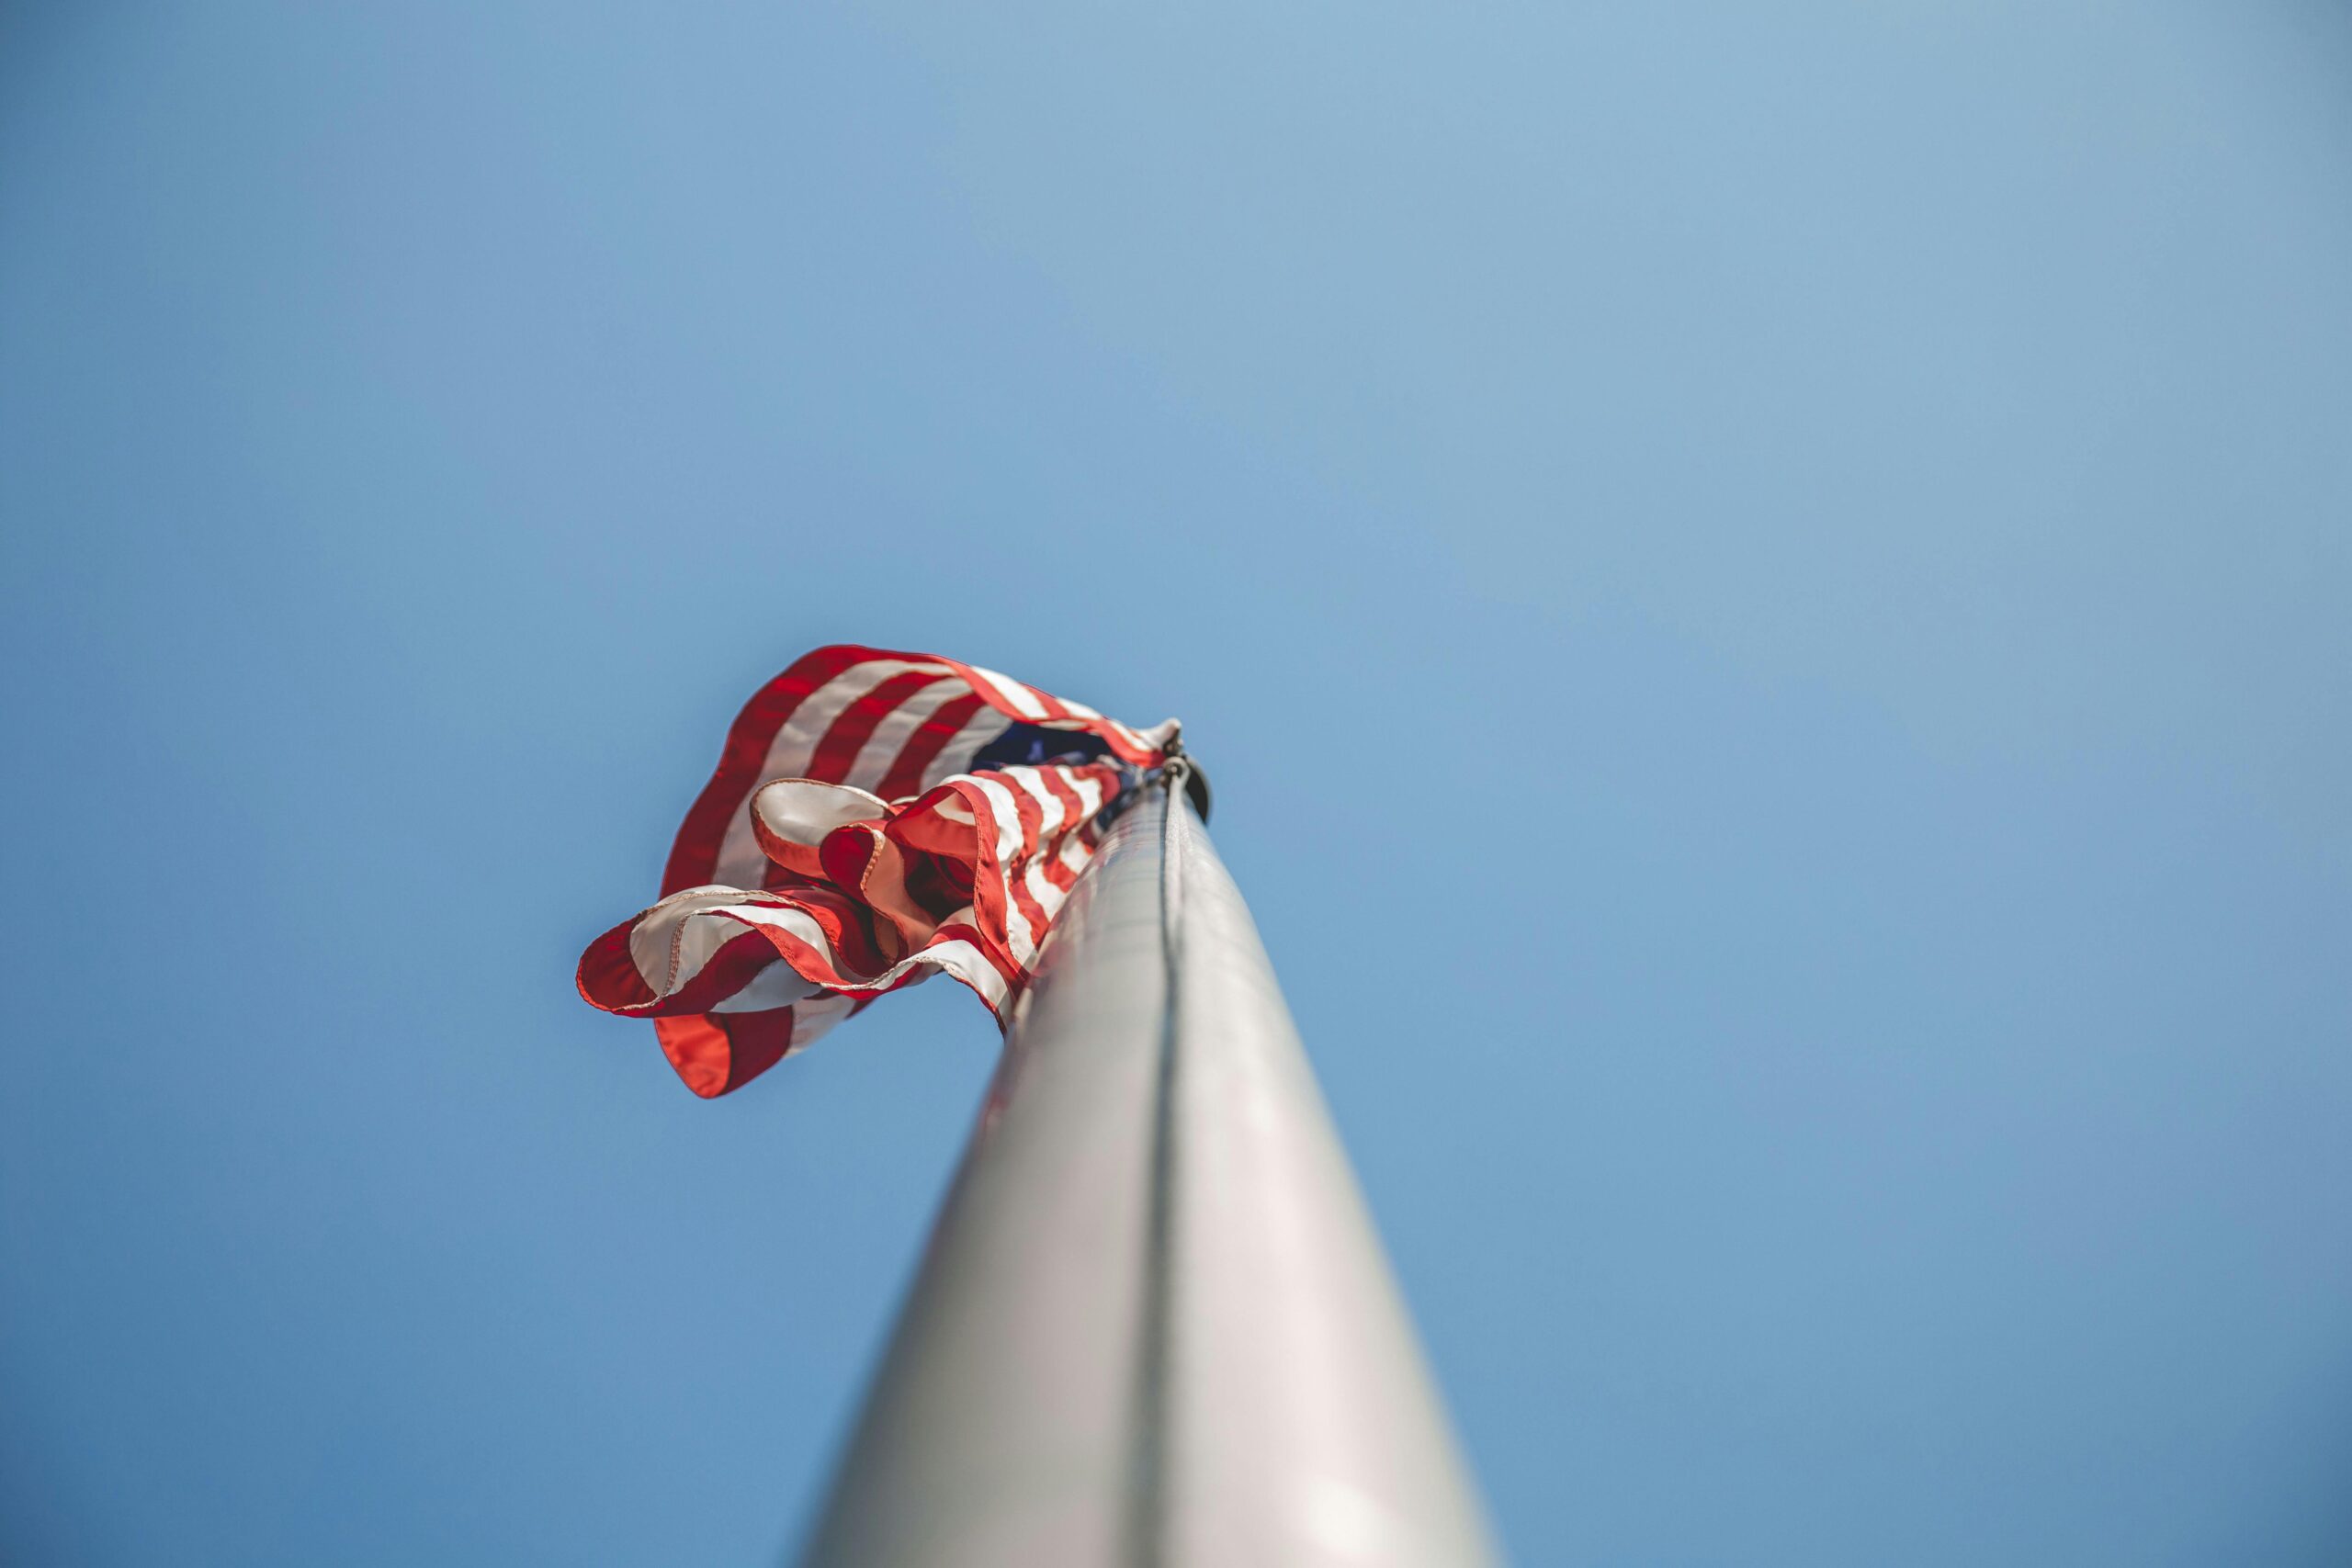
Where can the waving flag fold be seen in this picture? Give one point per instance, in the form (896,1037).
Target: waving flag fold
(875,816)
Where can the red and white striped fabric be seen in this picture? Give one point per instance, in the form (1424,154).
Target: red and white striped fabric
(875,816)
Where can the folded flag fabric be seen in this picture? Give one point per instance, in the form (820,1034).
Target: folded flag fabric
(876,818)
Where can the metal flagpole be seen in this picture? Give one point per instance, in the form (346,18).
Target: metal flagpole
(1154,1327)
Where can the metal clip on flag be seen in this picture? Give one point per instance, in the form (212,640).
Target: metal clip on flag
(1153,1327)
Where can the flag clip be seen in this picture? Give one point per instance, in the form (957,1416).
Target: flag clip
(1182,768)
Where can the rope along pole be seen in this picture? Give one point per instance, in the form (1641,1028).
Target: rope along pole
(1148,1534)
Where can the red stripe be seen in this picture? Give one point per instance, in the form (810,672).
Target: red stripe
(1058,781)
(607,976)
(844,951)
(761,1039)
(846,923)
(990,948)
(735,965)
(1120,746)
(1033,824)
(693,857)
(988,877)
(774,878)
(922,747)
(720,1051)
(839,748)
(1058,870)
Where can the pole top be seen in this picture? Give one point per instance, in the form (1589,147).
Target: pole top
(1182,764)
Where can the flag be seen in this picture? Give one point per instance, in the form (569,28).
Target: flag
(876,817)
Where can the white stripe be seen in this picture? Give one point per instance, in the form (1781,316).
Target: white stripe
(890,737)
(778,985)
(959,956)
(1019,939)
(1023,700)
(669,943)
(1155,739)
(1031,780)
(787,917)
(967,964)
(802,811)
(1007,813)
(1088,789)
(810,1019)
(739,859)
(1048,896)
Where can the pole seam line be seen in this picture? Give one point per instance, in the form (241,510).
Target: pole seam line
(1148,1512)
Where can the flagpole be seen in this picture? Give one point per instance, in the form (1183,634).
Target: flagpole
(1154,1326)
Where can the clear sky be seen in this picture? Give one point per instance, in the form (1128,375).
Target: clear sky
(1770,602)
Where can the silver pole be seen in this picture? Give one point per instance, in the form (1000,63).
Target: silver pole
(1154,1327)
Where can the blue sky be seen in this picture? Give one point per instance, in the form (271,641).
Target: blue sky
(1770,598)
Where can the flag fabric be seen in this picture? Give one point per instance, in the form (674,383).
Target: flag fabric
(876,817)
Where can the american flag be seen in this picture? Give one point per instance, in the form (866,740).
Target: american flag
(876,818)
